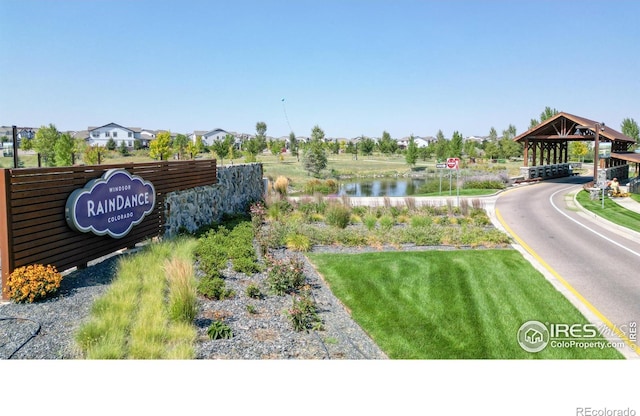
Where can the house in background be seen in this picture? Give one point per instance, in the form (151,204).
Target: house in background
(100,136)
(213,136)
(418,140)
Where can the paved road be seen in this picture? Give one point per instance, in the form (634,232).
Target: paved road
(599,264)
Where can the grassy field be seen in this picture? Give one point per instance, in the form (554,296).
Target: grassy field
(450,304)
(612,211)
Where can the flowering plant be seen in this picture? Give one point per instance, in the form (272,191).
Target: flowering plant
(30,283)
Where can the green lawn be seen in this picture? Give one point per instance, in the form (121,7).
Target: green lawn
(450,304)
(612,211)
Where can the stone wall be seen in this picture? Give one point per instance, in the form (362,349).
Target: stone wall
(238,186)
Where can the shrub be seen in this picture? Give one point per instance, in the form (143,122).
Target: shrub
(253,291)
(257,211)
(214,288)
(219,330)
(285,275)
(31,283)
(298,242)
(338,215)
(245,265)
(303,313)
(212,251)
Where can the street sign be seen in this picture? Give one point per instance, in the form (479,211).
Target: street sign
(452,163)
(441,165)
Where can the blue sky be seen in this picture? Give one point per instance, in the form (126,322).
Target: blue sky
(352,67)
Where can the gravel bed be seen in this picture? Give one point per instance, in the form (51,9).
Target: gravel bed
(45,330)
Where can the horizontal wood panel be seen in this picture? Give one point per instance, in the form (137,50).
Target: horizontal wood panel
(36,199)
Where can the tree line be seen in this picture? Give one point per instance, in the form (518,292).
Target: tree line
(60,149)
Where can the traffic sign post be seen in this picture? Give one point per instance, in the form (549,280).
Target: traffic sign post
(454,163)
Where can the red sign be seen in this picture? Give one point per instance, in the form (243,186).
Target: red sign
(453,162)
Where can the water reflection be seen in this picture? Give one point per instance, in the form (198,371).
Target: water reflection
(381,187)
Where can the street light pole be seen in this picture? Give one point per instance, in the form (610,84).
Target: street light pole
(596,161)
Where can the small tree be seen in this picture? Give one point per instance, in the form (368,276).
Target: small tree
(180,145)
(315,159)
(276,146)
(111,144)
(293,146)
(123,149)
(63,149)
(160,148)
(44,143)
(578,150)
(411,157)
(222,148)
(94,155)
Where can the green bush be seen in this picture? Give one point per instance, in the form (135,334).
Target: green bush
(285,275)
(253,291)
(219,330)
(483,184)
(214,288)
(245,265)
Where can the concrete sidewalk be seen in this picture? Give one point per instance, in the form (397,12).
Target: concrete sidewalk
(627,202)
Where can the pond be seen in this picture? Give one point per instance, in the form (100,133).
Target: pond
(381,187)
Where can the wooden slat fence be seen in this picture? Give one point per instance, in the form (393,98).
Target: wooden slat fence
(32,211)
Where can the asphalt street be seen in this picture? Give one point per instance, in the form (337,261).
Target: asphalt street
(596,264)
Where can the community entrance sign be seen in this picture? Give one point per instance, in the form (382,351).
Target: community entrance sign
(110,205)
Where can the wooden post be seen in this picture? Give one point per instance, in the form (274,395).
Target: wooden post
(7,262)
(15,146)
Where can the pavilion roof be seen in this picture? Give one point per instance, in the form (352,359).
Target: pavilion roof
(568,127)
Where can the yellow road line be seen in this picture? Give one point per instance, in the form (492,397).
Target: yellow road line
(566,284)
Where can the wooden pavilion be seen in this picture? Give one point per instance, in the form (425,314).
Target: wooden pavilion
(546,148)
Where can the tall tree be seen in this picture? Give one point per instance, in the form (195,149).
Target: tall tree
(493,134)
(411,157)
(387,145)
(630,128)
(455,146)
(441,146)
(44,143)
(546,114)
(367,146)
(314,158)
